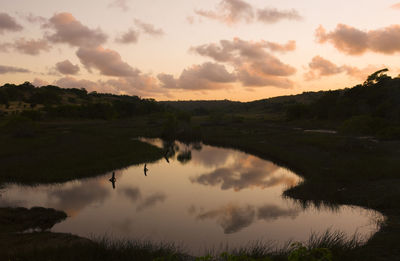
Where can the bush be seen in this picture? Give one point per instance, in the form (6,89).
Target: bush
(362,125)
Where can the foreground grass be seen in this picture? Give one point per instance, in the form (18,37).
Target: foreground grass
(324,247)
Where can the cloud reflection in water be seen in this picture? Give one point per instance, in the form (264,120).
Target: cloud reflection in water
(246,172)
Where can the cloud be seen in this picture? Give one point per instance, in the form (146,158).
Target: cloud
(10,69)
(34,19)
(70,31)
(234,11)
(231,218)
(253,65)
(396,6)
(151,201)
(149,28)
(245,172)
(22,45)
(353,41)
(123,4)
(107,61)
(141,85)
(190,19)
(283,48)
(211,157)
(31,47)
(272,212)
(66,67)
(8,23)
(133,194)
(230,12)
(131,36)
(273,15)
(320,67)
(206,76)
(40,82)
(76,198)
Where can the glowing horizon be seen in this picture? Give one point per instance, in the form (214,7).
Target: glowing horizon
(239,50)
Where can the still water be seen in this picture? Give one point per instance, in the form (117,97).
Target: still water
(198,196)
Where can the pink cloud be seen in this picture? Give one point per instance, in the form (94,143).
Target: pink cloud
(235,11)
(11,69)
(273,15)
(131,36)
(199,77)
(70,31)
(66,67)
(107,61)
(353,41)
(230,12)
(8,23)
(141,85)
(321,67)
(396,6)
(123,4)
(149,28)
(254,66)
(31,47)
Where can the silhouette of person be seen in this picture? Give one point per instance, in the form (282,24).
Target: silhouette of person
(145,169)
(113,179)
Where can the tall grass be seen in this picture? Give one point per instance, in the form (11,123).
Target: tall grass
(106,248)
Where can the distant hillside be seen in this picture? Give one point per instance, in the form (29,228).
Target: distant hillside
(52,101)
(371,108)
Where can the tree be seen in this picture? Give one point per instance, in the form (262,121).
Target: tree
(376,77)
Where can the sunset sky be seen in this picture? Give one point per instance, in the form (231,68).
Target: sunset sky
(198,49)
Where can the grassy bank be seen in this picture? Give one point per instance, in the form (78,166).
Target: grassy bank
(64,150)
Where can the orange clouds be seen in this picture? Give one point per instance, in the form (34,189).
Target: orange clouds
(148,28)
(31,47)
(107,61)
(8,23)
(234,11)
(22,45)
(131,36)
(66,67)
(11,69)
(230,11)
(353,41)
(253,65)
(396,6)
(320,67)
(71,31)
(199,77)
(273,15)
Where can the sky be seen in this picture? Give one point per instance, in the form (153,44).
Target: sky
(239,50)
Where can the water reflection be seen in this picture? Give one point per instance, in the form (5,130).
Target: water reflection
(132,193)
(151,200)
(232,218)
(196,194)
(247,172)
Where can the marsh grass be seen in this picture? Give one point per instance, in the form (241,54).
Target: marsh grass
(107,248)
(337,243)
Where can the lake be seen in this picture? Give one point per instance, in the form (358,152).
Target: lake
(198,196)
